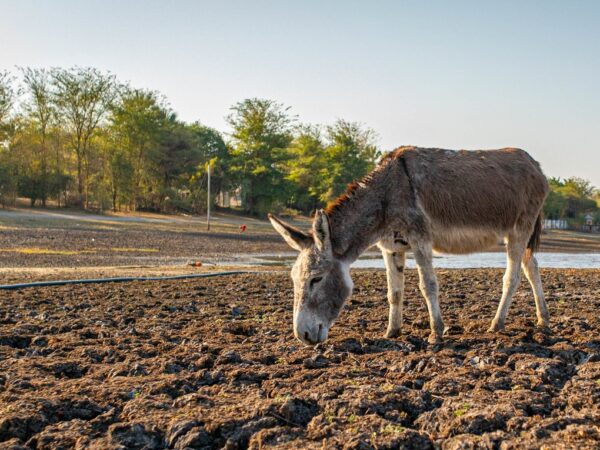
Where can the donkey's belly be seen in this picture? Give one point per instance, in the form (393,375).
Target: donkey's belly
(464,240)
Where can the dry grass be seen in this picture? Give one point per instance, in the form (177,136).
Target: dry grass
(132,249)
(43,251)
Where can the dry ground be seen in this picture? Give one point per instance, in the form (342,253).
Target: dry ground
(39,238)
(212,362)
(57,239)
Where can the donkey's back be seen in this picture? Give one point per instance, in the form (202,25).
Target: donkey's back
(473,199)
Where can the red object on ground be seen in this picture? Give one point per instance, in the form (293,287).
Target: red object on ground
(243,228)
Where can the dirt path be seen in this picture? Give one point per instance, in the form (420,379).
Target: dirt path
(211,363)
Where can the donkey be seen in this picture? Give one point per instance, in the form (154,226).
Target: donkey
(422,199)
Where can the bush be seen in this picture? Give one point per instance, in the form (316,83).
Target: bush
(8,187)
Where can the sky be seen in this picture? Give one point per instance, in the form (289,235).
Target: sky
(451,74)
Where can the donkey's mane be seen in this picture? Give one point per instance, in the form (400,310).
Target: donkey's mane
(335,205)
(338,203)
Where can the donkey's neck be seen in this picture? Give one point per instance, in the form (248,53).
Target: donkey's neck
(358,218)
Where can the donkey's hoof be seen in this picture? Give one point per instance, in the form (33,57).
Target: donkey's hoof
(495,327)
(543,324)
(434,339)
(392,333)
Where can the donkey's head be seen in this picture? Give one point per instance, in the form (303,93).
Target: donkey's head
(322,282)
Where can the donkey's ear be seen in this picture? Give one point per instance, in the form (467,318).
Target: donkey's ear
(321,232)
(297,239)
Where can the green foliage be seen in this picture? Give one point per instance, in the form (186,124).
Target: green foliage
(83,97)
(7,95)
(8,182)
(212,148)
(261,133)
(138,120)
(320,168)
(555,206)
(578,187)
(570,199)
(462,410)
(307,163)
(39,106)
(80,137)
(122,175)
(351,154)
(31,187)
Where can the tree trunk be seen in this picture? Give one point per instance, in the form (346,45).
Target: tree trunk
(79,179)
(114,200)
(86,181)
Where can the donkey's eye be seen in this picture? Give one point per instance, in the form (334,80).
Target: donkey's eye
(315,281)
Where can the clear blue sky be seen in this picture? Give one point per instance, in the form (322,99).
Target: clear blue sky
(453,74)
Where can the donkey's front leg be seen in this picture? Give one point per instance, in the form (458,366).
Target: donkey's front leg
(394,266)
(429,288)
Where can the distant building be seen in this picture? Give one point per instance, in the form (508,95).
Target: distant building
(590,225)
(230,199)
(588,220)
(556,224)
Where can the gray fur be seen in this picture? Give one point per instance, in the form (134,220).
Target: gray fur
(422,200)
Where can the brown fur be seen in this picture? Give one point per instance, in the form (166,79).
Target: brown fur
(423,200)
(427,189)
(494,187)
(347,195)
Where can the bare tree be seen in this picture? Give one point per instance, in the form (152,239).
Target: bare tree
(83,97)
(40,108)
(7,95)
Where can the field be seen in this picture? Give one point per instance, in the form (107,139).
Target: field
(37,238)
(49,244)
(212,362)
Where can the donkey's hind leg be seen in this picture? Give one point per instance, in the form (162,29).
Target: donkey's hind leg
(532,272)
(515,249)
(429,288)
(394,265)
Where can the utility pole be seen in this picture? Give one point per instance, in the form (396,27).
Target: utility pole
(208,201)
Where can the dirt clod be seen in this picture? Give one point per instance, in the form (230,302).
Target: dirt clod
(185,364)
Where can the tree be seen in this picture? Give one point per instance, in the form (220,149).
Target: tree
(261,133)
(212,150)
(40,111)
(569,198)
(7,95)
(555,205)
(80,136)
(121,174)
(138,120)
(351,154)
(177,158)
(7,99)
(578,187)
(307,163)
(8,181)
(83,97)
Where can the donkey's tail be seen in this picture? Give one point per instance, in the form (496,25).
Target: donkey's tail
(534,240)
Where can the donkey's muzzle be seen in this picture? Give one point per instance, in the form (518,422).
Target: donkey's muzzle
(311,334)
